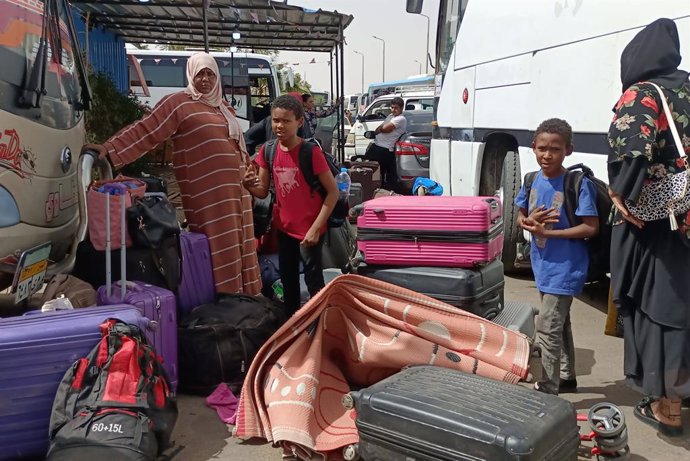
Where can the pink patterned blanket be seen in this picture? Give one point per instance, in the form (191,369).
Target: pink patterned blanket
(355,332)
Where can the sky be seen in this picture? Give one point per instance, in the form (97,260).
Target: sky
(405,36)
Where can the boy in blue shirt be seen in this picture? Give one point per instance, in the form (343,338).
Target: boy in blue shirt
(558,251)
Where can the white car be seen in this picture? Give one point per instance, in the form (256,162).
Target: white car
(378,110)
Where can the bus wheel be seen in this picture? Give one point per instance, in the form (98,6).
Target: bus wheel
(509,189)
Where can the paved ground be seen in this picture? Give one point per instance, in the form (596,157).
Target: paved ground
(201,436)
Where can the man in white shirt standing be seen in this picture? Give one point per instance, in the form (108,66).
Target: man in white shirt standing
(383,148)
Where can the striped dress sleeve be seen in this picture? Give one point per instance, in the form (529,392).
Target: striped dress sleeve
(135,140)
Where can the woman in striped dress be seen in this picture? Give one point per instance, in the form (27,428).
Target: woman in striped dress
(209,158)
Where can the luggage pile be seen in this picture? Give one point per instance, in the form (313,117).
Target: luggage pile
(138,280)
(448,248)
(365,179)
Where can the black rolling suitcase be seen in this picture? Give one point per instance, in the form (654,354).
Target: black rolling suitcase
(140,265)
(427,413)
(518,316)
(479,291)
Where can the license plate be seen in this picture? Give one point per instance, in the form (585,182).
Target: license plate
(31,271)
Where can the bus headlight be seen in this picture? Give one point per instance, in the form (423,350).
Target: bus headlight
(9,211)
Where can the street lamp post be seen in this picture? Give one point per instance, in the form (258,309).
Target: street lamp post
(420,65)
(362,55)
(426,51)
(384,55)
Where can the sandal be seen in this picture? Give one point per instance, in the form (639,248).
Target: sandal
(643,411)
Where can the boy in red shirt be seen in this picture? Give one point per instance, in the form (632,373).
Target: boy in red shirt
(300,214)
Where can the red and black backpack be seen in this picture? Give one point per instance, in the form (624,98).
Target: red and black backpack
(115,403)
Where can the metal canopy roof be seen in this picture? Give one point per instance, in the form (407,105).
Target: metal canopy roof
(262,24)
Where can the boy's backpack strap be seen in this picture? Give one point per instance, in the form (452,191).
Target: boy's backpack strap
(270,154)
(306,166)
(528,181)
(572,183)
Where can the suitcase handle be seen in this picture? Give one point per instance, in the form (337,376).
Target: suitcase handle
(493,203)
(379,210)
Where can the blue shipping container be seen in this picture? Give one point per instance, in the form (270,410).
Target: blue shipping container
(107,52)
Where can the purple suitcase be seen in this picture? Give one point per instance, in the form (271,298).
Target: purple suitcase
(35,352)
(156,303)
(197,286)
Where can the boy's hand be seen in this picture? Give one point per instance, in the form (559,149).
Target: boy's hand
(543,216)
(251,179)
(312,238)
(535,228)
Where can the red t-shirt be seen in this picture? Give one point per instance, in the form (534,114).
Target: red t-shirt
(296,207)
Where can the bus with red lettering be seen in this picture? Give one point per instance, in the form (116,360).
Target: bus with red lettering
(43,96)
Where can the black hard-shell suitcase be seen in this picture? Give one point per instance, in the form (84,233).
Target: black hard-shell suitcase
(140,265)
(356,195)
(427,413)
(479,291)
(518,316)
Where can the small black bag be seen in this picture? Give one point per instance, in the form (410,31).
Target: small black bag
(154,184)
(218,341)
(151,220)
(263,214)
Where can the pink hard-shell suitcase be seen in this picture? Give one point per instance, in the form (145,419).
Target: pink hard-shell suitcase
(430,231)
(156,303)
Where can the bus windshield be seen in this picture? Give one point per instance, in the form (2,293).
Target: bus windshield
(27,26)
(450,16)
(248,82)
(322,99)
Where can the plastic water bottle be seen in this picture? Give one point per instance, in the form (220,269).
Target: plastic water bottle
(278,290)
(343,181)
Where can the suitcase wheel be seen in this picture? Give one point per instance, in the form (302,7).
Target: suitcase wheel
(348,401)
(613,444)
(606,420)
(350,453)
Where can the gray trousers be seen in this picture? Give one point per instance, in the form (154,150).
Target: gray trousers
(555,338)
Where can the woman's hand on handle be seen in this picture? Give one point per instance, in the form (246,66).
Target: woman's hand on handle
(98,148)
(620,205)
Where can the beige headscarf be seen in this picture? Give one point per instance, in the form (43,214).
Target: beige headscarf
(195,64)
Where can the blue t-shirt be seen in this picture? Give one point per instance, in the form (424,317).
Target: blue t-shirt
(559,264)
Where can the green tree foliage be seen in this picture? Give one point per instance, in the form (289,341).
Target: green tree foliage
(111,110)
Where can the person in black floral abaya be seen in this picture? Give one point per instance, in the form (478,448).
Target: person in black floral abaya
(650,263)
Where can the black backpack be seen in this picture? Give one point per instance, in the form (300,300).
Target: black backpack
(306,166)
(599,245)
(218,341)
(115,403)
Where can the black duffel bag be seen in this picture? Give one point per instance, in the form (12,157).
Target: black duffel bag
(218,341)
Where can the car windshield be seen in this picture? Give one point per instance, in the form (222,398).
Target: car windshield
(27,30)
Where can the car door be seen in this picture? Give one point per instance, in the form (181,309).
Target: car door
(370,119)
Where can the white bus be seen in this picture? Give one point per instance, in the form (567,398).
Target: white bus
(507,65)
(252,80)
